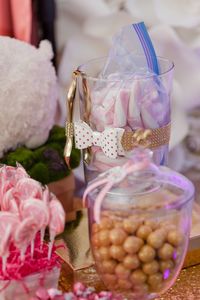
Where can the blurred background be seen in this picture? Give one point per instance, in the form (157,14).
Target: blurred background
(80,30)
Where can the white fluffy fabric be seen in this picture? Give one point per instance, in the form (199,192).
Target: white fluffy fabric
(28,93)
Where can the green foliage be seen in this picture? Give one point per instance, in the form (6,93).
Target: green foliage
(22,155)
(40,172)
(57,134)
(45,163)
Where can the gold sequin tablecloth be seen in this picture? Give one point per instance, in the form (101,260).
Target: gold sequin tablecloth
(187,286)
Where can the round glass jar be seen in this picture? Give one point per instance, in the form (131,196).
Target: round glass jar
(141,237)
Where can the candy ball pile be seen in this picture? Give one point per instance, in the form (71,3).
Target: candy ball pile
(80,292)
(135,254)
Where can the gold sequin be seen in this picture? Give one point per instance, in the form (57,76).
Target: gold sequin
(187,286)
(152,138)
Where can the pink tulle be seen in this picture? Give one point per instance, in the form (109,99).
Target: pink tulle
(27,208)
(17,269)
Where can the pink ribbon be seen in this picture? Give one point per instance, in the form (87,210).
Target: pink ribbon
(110,178)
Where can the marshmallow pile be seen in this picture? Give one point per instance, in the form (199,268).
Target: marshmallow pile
(132,103)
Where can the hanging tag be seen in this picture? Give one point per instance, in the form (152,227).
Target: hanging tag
(69,130)
(70,108)
(87,155)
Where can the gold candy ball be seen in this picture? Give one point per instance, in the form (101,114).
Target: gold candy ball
(156,239)
(118,224)
(108,266)
(166,251)
(138,277)
(106,223)
(96,254)
(151,267)
(130,226)
(175,238)
(132,244)
(166,265)
(95,240)
(104,253)
(117,252)
(95,228)
(124,284)
(143,232)
(151,224)
(109,279)
(121,271)
(117,236)
(147,253)
(155,280)
(131,262)
(103,236)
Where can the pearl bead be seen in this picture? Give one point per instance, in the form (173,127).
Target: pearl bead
(124,284)
(175,238)
(130,226)
(155,280)
(108,266)
(117,252)
(166,265)
(156,239)
(104,237)
(147,253)
(104,253)
(138,277)
(131,262)
(151,267)
(132,244)
(143,231)
(121,271)
(166,251)
(117,236)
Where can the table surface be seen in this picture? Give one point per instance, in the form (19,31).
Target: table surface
(187,286)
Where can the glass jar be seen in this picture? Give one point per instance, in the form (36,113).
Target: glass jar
(140,102)
(141,238)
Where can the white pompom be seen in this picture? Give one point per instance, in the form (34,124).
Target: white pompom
(45,48)
(32,81)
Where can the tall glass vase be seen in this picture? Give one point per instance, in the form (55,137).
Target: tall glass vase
(140,105)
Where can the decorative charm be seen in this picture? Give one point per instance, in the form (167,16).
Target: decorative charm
(151,138)
(70,108)
(69,125)
(115,141)
(108,140)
